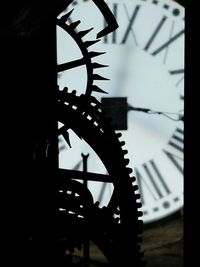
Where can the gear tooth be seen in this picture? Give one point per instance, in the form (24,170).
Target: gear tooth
(85,32)
(95,88)
(139,205)
(126,161)
(97,203)
(82,96)
(89,43)
(64,18)
(65,134)
(133,179)
(140,213)
(125,151)
(73,92)
(122,143)
(96,65)
(119,135)
(73,25)
(137,196)
(135,187)
(129,170)
(99,77)
(65,90)
(95,54)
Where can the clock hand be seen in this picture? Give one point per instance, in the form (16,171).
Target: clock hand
(164,113)
(117,108)
(109,17)
(146,110)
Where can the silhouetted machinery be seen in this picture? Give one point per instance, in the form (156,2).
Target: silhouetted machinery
(50,216)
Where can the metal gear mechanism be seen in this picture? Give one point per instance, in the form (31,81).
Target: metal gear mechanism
(115,228)
(86,58)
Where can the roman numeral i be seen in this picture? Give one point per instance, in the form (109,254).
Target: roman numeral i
(151,180)
(175,149)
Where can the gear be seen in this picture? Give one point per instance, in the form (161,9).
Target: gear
(115,228)
(119,242)
(87,56)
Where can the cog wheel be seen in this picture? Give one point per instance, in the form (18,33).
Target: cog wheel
(86,56)
(115,229)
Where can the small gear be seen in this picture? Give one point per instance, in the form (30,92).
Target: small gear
(71,28)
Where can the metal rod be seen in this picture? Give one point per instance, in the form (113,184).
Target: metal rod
(86,244)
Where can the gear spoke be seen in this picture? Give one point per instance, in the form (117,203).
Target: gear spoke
(87,56)
(70,65)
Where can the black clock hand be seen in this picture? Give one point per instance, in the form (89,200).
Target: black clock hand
(117,108)
(146,110)
(151,111)
(109,17)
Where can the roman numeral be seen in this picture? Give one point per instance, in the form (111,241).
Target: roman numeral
(129,29)
(112,38)
(178,73)
(155,33)
(149,178)
(181,97)
(176,144)
(167,43)
(176,140)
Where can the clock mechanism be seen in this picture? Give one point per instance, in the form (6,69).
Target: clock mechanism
(145,95)
(78,185)
(113,227)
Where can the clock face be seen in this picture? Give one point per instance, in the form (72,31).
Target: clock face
(145,95)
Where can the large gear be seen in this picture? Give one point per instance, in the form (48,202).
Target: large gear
(120,241)
(114,228)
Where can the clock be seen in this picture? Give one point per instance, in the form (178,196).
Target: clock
(144,95)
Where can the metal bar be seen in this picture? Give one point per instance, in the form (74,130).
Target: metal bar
(80,175)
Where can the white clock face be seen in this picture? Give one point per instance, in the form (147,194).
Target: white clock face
(146,68)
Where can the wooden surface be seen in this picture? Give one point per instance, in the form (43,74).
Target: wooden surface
(163,242)
(162,245)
